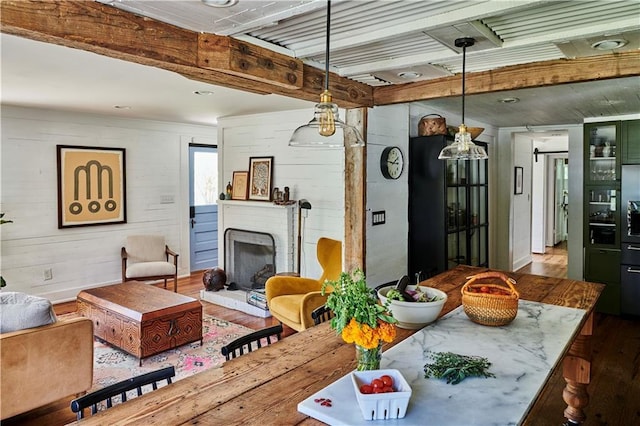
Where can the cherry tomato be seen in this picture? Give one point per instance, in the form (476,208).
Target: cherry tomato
(387,380)
(378,390)
(366,389)
(484,289)
(387,389)
(377,383)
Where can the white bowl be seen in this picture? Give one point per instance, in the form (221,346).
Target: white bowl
(414,315)
(379,406)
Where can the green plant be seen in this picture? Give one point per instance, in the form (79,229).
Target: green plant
(3,283)
(350,298)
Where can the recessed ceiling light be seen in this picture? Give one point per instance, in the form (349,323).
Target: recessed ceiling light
(409,75)
(609,44)
(220,3)
(122,107)
(509,100)
(203,92)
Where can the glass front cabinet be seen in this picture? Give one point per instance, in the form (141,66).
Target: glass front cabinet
(602,211)
(448,209)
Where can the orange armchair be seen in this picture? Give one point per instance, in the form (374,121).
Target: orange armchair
(292,299)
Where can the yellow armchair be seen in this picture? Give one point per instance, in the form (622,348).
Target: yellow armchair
(292,299)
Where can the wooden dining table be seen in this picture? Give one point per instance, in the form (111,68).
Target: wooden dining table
(264,387)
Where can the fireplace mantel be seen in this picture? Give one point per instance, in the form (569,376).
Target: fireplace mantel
(261,216)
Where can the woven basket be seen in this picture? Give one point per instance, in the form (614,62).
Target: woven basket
(490,309)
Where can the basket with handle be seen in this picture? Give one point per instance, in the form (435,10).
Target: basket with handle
(490,303)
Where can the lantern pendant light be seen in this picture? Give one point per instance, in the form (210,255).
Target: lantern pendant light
(462,147)
(326,130)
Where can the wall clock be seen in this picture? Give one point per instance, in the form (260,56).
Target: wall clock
(391,162)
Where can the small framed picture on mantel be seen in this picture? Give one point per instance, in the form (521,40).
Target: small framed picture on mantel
(260,178)
(239,190)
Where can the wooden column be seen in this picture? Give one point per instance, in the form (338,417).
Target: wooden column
(355,195)
(577,374)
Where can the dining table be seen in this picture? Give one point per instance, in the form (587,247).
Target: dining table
(271,385)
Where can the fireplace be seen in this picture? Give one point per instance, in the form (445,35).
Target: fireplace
(249,258)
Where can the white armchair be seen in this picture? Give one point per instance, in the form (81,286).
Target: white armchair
(146,258)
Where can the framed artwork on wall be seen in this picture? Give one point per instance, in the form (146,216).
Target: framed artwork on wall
(91,186)
(240,180)
(517,189)
(260,178)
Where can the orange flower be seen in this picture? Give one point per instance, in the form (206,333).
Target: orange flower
(367,337)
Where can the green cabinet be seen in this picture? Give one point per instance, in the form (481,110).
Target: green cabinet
(603,266)
(602,210)
(630,142)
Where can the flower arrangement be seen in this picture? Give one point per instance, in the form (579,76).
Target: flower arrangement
(359,318)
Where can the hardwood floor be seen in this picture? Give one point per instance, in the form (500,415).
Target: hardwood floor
(614,390)
(553,263)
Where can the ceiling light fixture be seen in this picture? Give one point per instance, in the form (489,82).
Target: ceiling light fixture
(462,147)
(609,44)
(409,75)
(203,92)
(509,100)
(122,107)
(220,3)
(326,130)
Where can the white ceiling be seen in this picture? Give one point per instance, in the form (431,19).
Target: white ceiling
(371,41)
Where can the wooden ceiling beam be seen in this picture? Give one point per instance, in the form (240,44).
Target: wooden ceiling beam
(219,60)
(537,74)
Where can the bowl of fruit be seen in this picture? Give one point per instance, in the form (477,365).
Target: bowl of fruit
(381,394)
(414,306)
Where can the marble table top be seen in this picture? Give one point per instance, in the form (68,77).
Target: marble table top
(523,355)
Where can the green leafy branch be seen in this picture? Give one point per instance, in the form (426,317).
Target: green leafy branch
(455,367)
(352,298)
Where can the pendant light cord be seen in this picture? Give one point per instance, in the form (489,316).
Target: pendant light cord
(464,63)
(326,52)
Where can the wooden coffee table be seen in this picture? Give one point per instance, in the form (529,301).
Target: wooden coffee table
(141,319)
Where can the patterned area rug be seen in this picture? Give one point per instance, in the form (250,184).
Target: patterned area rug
(112,365)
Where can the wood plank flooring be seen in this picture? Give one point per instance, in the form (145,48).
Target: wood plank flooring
(615,389)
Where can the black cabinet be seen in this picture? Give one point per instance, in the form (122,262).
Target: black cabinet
(448,209)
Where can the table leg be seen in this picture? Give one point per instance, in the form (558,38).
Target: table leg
(577,374)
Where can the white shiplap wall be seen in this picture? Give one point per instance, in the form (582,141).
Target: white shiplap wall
(313,174)
(387,243)
(157,170)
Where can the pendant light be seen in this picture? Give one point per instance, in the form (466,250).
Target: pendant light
(326,130)
(462,147)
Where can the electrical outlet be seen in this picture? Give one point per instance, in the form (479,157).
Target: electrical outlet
(379,217)
(48,274)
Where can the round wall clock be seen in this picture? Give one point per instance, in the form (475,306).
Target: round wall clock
(391,162)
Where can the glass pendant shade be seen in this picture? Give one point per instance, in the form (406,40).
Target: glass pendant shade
(463,148)
(326,130)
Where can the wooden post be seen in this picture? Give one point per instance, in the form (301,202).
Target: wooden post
(355,197)
(576,370)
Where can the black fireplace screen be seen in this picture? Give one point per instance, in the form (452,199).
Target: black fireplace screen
(249,258)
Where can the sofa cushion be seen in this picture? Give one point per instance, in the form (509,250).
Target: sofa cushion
(150,269)
(19,311)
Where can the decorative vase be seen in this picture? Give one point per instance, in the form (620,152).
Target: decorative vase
(368,359)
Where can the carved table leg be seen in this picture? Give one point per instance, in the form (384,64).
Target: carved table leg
(577,374)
